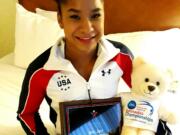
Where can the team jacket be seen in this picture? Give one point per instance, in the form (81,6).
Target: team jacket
(54,78)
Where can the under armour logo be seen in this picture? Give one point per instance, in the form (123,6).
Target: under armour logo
(106,72)
(63,82)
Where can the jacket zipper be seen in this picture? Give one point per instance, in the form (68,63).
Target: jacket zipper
(89,91)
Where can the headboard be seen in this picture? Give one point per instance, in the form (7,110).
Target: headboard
(128,15)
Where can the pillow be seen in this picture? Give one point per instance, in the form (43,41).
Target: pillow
(134,40)
(33,35)
(49,14)
(160,47)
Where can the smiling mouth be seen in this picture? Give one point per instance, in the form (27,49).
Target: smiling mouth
(86,38)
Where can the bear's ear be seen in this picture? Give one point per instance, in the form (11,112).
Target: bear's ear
(169,73)
(138,61)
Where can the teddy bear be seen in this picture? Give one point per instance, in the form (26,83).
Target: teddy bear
(142,107)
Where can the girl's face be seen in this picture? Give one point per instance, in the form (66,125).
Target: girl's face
(83,23)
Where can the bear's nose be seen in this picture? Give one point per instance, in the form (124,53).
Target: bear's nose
(151,88)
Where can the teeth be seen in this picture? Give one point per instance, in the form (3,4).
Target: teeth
(85,38)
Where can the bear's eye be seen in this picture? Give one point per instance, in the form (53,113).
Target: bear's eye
(157,83)
(146,80)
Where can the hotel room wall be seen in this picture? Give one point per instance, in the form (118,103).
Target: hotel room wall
(7,26)
(140,15)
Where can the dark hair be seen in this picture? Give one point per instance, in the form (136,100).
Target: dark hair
(59,2)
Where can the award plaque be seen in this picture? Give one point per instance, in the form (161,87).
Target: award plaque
(91,117)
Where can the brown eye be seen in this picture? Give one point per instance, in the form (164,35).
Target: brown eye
(157,83)
(95,16)
(146,80)
(75,17)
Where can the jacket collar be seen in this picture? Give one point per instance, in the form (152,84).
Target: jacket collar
(57,61)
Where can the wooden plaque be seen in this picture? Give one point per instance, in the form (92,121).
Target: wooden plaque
(91,117)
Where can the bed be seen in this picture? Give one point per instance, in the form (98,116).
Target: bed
(11,78)
(147,28)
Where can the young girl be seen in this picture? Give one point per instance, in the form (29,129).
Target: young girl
(82,63)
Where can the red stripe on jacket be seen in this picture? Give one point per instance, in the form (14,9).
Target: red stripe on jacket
(125,63)
(36,94)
